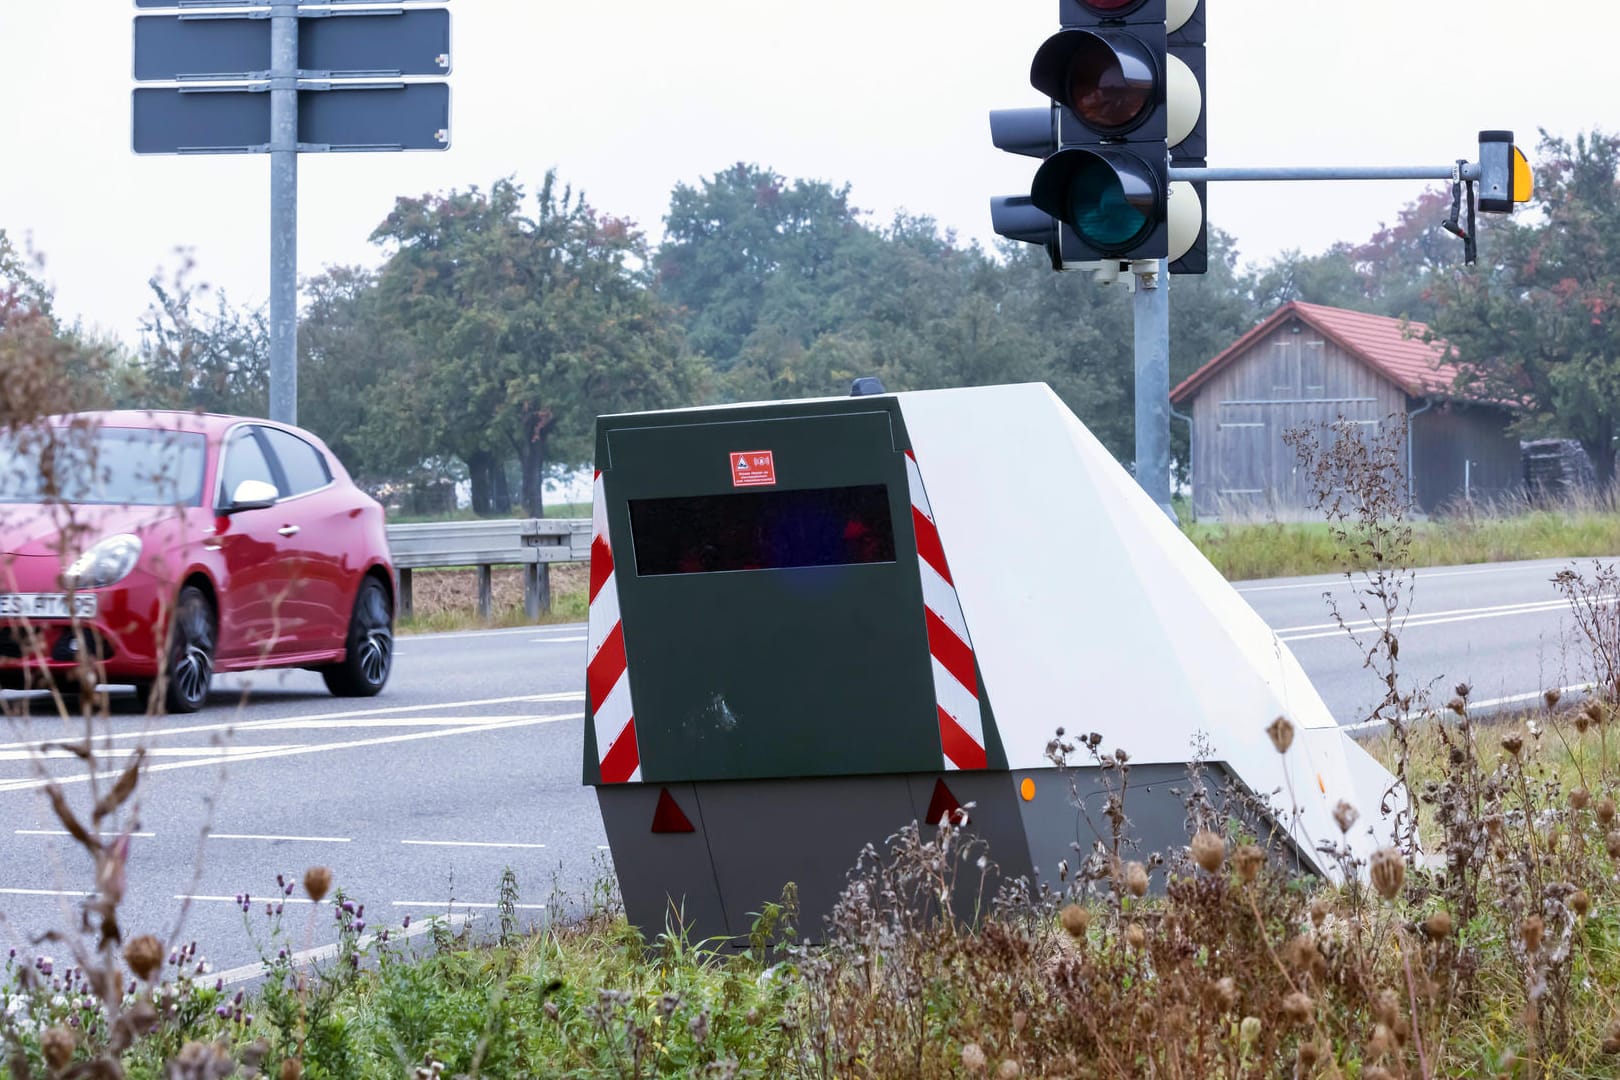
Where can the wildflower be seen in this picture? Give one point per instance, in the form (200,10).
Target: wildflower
(1208,850)
(1438,925)
(1388,872)
(1344,816)
(1248,859)
(1249,1029)
(1075,919)
(1136,878)
(1282,734)
(317,880)
(144,955)
(973,1058)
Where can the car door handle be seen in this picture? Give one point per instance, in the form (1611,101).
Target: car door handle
(288,530)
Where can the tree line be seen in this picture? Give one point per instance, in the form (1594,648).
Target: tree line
(500,321)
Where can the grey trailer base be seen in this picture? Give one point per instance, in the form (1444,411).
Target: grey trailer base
(749,838)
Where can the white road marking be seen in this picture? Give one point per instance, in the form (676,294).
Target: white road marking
(603,847)
(64,832)
(301,839)
(274,898)
(317,748)
(45,892)
(1419,575)
(1488,703)
(1438,618)
(462,904)
(470,843)
(394,710)
(381,722)
(556,640)
(151,751)
(449,634)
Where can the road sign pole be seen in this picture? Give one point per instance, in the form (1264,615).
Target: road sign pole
(284,212)
(1152,311)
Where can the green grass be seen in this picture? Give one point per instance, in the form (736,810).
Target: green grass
(1274,549)
(568,607)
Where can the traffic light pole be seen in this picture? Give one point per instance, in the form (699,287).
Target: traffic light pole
(1152,318)
(284,212)
(1467,170)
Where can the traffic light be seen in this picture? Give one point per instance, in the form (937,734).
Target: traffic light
(1120,101)
(1504,173)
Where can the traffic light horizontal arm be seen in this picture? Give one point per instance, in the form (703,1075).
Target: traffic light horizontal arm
(1470,171)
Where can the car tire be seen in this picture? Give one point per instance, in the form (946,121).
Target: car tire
(193,637)
(369,648)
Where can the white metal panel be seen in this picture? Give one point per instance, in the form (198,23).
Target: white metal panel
(1097,614)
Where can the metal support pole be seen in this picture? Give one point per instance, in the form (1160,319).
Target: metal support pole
(284,212)
(1152,308)
(1467,171)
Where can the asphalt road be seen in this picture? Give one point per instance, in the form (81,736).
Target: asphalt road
(469,763)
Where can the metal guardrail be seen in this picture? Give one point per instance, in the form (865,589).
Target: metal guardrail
(533,543)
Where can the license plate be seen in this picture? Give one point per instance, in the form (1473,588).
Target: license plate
(46,605)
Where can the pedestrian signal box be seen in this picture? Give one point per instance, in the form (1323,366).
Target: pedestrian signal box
(813,622)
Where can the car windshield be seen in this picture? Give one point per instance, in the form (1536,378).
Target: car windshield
(116,466)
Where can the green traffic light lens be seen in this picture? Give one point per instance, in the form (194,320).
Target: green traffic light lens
(1100,210)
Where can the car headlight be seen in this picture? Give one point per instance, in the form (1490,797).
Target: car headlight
(106,562)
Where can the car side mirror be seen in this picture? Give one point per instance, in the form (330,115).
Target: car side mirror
(252,495)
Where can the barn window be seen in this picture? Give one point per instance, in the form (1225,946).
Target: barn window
(1314,367)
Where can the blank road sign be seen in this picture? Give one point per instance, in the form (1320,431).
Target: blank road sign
(342,43)
(407,116)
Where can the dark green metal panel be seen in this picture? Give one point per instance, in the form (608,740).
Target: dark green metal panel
(810,671)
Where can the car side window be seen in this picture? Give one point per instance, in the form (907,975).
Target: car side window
(244,460)
(302,464)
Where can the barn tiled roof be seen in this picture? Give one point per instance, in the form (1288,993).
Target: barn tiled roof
(1392,347)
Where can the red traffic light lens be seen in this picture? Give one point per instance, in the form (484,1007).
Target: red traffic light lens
(1111,89)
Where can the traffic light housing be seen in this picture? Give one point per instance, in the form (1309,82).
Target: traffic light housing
(1120,102)
(1504,173)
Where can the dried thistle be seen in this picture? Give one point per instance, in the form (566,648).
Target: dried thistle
(1075,919)
(1530,933)
(973,1059)
(1225,992)
(1319,911)
(1009,1070)
(1581,902)
(317,880)
(1611,841)
(1551,697)
(1345,816)
(1282,734)
(1135,936)
(1579,798)
(1208,850)
(1388,872)
(144,955)
(1605,810)
(1611,1037)
(56,1046)
(1513,743)
(292,1069)
(1297,1006)
(1248,859)
(1136,879)
(1438,925)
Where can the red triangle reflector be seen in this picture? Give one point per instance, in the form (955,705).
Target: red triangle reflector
(944,804)
(668,817)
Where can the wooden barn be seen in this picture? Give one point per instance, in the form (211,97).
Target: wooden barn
(1307,363)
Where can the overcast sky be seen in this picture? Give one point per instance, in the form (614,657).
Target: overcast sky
(628,97)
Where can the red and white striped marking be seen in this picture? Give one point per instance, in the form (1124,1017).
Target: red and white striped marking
(956,681)
(607,673)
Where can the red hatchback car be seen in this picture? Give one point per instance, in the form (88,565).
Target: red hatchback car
(157,548)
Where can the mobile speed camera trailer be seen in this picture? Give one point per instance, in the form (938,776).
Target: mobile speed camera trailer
(813,622)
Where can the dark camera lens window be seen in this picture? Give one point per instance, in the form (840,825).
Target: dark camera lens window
(762,530)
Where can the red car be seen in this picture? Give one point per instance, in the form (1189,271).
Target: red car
(157,548)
